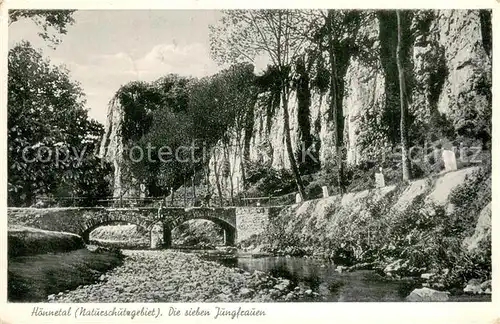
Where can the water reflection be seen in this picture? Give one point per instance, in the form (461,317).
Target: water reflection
(320,276)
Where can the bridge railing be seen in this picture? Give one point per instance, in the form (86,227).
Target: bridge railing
(214,201)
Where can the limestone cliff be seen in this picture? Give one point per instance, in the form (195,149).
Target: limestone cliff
(112,144)
(113,149)
(451,72)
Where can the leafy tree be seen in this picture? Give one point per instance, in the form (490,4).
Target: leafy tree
(46,109)
(47,20)
(244,34)
(155,116)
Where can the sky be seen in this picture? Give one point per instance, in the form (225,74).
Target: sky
(105,49)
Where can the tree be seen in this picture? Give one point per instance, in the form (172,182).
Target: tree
(403,97)
(155,117)
(337,112)
(335,33)
(57,20)
(245,34)
(47,109)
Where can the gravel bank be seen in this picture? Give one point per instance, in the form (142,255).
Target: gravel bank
(168,276)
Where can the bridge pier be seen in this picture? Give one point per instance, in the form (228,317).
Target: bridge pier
(229,237)
(167,236)
(86,237)
(160,236)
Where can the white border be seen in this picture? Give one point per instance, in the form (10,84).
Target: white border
(282,312)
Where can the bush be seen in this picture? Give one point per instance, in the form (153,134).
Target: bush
(266,181)
(431,239)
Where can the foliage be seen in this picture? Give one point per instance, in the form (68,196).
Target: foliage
(46,109)
(163,118)
(58,20)
(221,102)
(266,181)
(431,238)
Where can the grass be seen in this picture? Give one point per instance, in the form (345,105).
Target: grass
(24,241)
(33,278)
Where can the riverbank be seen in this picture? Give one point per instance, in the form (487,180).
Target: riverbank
(170,276)
(436,229)
(32,278)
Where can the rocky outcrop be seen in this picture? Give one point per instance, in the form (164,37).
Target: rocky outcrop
(449,74)
(112,144)
(113,150)
(468,64)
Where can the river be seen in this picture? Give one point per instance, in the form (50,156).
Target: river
(321,276)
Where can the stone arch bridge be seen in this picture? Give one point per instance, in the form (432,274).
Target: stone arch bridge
(238,223)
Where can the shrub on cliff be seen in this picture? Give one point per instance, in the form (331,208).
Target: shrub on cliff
(266,181)
(425,237)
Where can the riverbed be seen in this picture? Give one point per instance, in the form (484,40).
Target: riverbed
(174,276)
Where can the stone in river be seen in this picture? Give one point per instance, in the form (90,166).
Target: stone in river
(428,295)
(246,293)
(290,296)
(283,285)
(473,287)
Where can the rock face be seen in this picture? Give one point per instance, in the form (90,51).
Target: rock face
(468,64)
(112,144)
(113,150)
(452,73)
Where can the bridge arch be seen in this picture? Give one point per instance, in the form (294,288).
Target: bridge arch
(225,218)
(86,233)
(115,216)
(238,223)
(229,231)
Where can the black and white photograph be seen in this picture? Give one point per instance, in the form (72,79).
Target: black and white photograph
(239,156)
